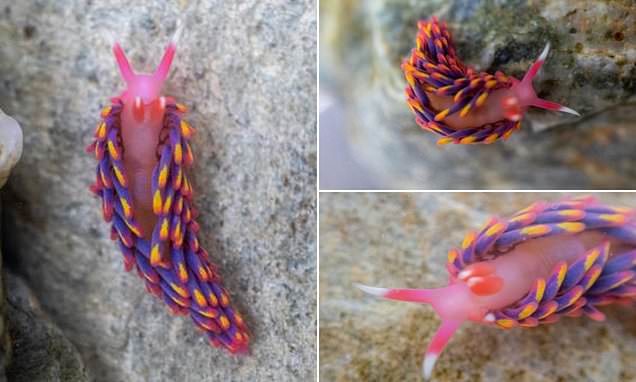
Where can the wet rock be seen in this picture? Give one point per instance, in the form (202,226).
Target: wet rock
(247,73)
(591,68)
(40,351)
(401,240)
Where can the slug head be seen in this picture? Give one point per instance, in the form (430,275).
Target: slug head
(463,299)
(522,95)
(144,90)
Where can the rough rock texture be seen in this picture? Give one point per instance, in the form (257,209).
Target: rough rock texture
(41,352)
(591,68)
(247,71)
(402,240)
(5,344)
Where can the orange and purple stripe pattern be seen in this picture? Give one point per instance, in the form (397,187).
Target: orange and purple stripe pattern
(593,280)
(173,265)
(433,67)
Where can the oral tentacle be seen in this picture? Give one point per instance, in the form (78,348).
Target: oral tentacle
(543,104)
(409,295)
(437,344)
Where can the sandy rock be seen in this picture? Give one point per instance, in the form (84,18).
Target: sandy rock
(40,351)
(401,240)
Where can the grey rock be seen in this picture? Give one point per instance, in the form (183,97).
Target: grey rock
(591,68)
(5,342)
(247,72)
(401,240)
(40,351)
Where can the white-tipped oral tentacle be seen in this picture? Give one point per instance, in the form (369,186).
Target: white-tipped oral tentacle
(374,291)
(427,365)
(565,109)
(549,105)
(437,345)
(544,53)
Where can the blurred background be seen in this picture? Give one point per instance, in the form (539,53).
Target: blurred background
(369,138)
(402,240)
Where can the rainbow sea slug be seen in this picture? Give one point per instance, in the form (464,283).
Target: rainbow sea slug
(143,152)
(545,262)
(460,104)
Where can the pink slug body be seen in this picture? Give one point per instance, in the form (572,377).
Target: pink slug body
(459,103)
(546,261)
(143,150)
(141,123)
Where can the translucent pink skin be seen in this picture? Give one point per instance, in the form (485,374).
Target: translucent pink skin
(518,270)
(141,122)
(510,103)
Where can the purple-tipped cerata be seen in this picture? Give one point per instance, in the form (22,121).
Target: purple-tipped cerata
(143,152)
(545,262)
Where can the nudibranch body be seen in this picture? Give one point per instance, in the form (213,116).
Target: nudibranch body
(143,150)
(457,102)
(547,261)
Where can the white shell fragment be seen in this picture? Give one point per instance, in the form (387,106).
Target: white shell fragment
(10,145)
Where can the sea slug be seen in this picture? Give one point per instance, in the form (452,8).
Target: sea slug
(460,104)
(142,145)
(547,261)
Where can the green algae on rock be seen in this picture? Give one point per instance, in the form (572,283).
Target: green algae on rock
(591,68)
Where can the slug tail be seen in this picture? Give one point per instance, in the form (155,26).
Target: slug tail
(438,343)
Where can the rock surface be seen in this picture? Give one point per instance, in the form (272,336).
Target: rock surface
(247,72)
(402,240)
(5,343)
(591,68)
(40,351)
